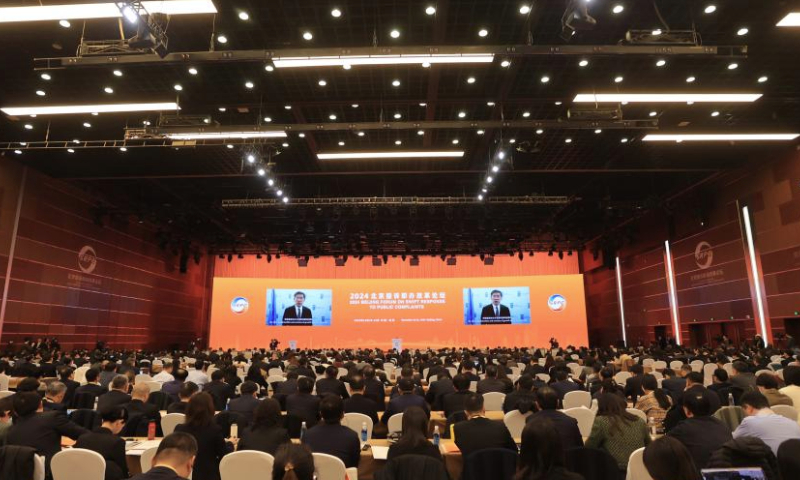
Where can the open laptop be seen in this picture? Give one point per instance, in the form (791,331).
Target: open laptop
(741,473)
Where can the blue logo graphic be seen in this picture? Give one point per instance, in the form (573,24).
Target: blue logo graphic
(557,303)
(239,305)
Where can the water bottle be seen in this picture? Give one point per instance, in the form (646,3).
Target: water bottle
(651,422)
(303,429)
(363,433)
(151,430)
(436,435)
(730,400)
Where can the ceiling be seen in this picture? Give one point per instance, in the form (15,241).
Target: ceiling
(582,182)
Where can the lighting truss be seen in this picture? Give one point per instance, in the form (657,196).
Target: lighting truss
(90,11)
(378,201)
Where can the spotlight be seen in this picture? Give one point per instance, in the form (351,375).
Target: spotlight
(576,18)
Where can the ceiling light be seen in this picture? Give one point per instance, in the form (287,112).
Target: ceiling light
(398,142)
(267,119)
(490,104)
(146,123)
(657,32)
(489,179)
(653,114)
(270,182)
(347,66)
(567,140)
(398,116)
(18,152)
(307,35)
(361,134)
(525,9)
(75,140)
(711,8)
(480,132)
(387,155)
(483,32)
(455,141)
(742,31)
(484,190)
(471,80)
(539,131)
(618,79)
(430,10)
(558,103)
(336,13)
(86,11)
(715,113)
(301,135)
(393,59)
(64,23)
(690,102)
(262,172)
(332,116)
(583,63)
(661,63)
(526,114)
(28,126)
(423,104)
(667,97)
(230,146)
(67,109)
(426,64)
(495,168)
(480,197)
(733,66)
(46,76)
(269,67)
(763,79)
(623,140)
(394,34)
(287,107)
(222,109)
(618,9)
(395,83)
(93,114)
(790,20)
(222,38)
(87,125)
(721,137)
(251,158)
(178,87)
(70,150)
(501,155)
(279,192)
(355,105)
(40,93)
(420,132)
(545,79)
(322,83)
(192,71)
(505,63)
(462,114)
(285,199)
(108,90)
(249,84)
(512,140)
(242,135)
(244,15)
(341,144)
(598,131)
(690,79)
(123,149)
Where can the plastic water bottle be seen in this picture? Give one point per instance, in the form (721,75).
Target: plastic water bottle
(303,429)
(730,400)
(653,427)
(436,435)
(363,433)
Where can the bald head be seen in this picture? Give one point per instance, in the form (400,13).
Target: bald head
(140,392)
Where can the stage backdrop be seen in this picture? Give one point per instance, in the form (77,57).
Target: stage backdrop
(422,312)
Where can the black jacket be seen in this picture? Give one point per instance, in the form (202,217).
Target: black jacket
(746,452)
(72,385)
(211,447)
(437,390)
(336,440)
(159,473)
(113,398)
(360,404)
(111,447)
(516,398)
(633,387)
(480,433)
(43,431)
(426,449)
(400,403)
(92,388)
(566,426)
(149,411)
(304,406)
(16,462)
(221,392)
(244,406)
(701,436)
(263,439)
(333,386)
(454,402)
(492,385)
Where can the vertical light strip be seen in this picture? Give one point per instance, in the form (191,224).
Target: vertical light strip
(751,250)
(673,296)
(621,307)
(12,250)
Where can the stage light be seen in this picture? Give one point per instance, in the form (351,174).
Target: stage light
(128,12)
(249,85)
(64,23)
(279,192)
(430,10)
(307,35)
(262,172)
(108,90)
(285,199)
(505,63)
(483,32)
(322,83)
(251,158)
(618,79)
(28,126)
(87,125)
(192,71)
(223,135)
(336,13)
(666,97)
(88,11)
(525,9)
(721,137)
(618,9)
(495,168)
(395,83)
(710,9)
(394,34)
(222,38)
(270,182)
(178,87)
(46,76)
(391,155)
(41,93)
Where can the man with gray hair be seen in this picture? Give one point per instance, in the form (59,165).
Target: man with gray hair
(54,397)
(117,396)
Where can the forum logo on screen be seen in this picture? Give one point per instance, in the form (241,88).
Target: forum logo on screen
(87,259)
(703,255)
(557,303)
(239,305)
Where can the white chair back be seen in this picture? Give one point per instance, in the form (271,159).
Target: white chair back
(80,374)
(473,386)
(433,379)
(343,372)
(659,365)
(243,464)
(638,413)
(154,386)
(6,393)
(543,377)
(170,421)
(622,377)
(728,368)
(675,365)
(766,370)
(142,377)
(577,398)
(78,464)
(785,411)
(708,373)
(648,362)
(275,378)
(38,467)
(395,423)
(328,467)
(146,460)
(354,421)
(697,365)
(585,418)
(493,401)
(4,381)
(515,422)
(453,371)
(425,372)
(636,468)
(275,371)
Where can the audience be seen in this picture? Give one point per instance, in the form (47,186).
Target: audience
(266,433)
(66,375)
(791,375)
(478,432)
(247,401)
(566,426)
(141,410)
(767,384)
(720,385)
(655,402)
(491,383)
(763,423)
(54,397)
(211,443)
(92,385)
(414,440)
(742,378)
(188,389)
(667,459)
(438,389)
(117,396)
(406,399)
(674,383)
(331,437)
(293,462)
(303,405)
(198,375)
(523,398)
(700,433)
(6,407)
(330,384)
(454,402)
(358,403)
(105,440)
(172,387)
(174,458)
(541,456)
(617,431)
(220,391)
(633,386)
(563,384)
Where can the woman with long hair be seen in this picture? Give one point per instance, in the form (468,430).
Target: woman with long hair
(414,439)
(617,431)
(256,374)
(211,444)
(541,456)
(293,462)
(668,459)
(655,402)
(266,433)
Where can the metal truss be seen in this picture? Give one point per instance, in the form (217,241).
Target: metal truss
(128,143)
(384,201)
(498,50)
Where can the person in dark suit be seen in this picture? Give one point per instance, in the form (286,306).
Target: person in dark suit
(138,406)
(211,444)
(303,370)
(413,440)
(331,437)
(404,400)
(266,433)
(438,389)
(674,383)
(92,385)
(67,376)
(491,383)
(54,397)
(358,403)
(694,386)
(563,385)
(468,370)
(743,379)
(454,402)
(633,385)
(38,429)
(247,401)
(495,312)
(220,391)
(172,387)
(478,432)
(297,314)
(374,388)
(303,404)
(47,367)
(281,390)
(720,385)
(188,389)
(174,458)
(408,373)
(105,441)
(330,384)
(117,396)
(701,433)
(567,427)
(523,398)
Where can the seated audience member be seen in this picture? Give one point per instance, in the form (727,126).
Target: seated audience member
(605,376)
(407,373)
(655,402)
(694,386)
(54,397)
(541,456)
(358,403)
(667,459)
(67,376)
(763,423)
(33,427)
(406,399)
(117,396)
(720,385)
(293,462)
(478,432)
(414,440)
(454,402)
(247,401)
(438,389)
(789,458)
(174,458)
(105,441)
(92,385)
(266,432)
(563,384)
(286,387)
(767,384)
(617,431)
(6,407)
(468,370)
(331,437)
(523,398)
(373,388)
(742,378)
(108,374)
(791,375)
(303,404)
(160,374)
(211,444)
(188,389)
(172,387)
(633,385)
(138,406)
(675,382)
(257,375)
(700,433)
(491,383)
(566,426)
(198,375)
(330,384)
(220,391)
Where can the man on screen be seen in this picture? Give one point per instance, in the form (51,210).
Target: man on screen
(297,314)
(495,312)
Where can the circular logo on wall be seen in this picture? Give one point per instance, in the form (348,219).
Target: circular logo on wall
(557,303)
(703,255)
(87,259)
(239,305)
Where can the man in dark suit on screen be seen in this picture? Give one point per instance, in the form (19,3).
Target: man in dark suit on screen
(297,314)
(496,312)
